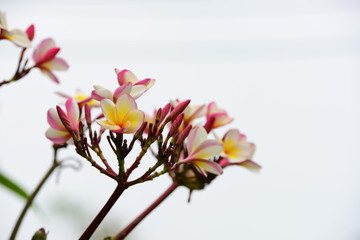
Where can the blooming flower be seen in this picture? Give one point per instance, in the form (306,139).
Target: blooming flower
(216,117)
(200,150)
(138,87)
(81,98)
(122,116)
(57,132)
(238,151)
(17,36)
(45,58)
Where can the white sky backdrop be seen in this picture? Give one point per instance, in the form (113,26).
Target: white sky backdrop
(287,71)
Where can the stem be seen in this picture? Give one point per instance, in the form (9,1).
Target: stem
(103,212)
(121,235)
(34,194)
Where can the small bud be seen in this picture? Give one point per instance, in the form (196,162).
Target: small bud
(64,119)
(165,111)
(176,124)
(183,135)
(87,115)
(140,131)
(177,110)
(30,31)
(39,235)
(209,124)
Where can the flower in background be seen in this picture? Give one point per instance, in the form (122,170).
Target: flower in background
(122,116)
(45,58)
(216,117)
(190,113)
(200,151)
(238,151)
(81,98)
(57,132)
(17,36)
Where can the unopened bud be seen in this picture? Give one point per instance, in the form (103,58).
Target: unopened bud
(209,124)
(183,135)
(39,235)
(165,111)
(140,131)
(87,115)
(177,110)
(64,119)
(176,124)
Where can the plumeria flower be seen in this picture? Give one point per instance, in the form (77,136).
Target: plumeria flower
(216,117)
(237,150)
(200,151)
(17,36)
(138,87)
(122,116)
(45,58)
(57,132)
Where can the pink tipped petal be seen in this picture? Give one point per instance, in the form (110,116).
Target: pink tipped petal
(49,55)
(137,91)
(108,109)
(101,93)
(57,137)
(148,83)
(208,149)
(30,31)
(250,165)
(126,76)
(42,48)
(196,136)
(50,75)
(58,64)
(54,120)
(123,89)
(208,166)
(134,118)
(73,113)
(18,37)
(124,104)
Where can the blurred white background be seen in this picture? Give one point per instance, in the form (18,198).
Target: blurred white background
(287,71)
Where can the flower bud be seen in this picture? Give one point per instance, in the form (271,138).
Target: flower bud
(177,110)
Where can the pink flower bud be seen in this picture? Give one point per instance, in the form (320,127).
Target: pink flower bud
(177,110)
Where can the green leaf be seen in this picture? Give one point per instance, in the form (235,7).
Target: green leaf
(12,186)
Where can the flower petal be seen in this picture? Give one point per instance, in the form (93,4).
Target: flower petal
(148,83)
(196,136)
(123,89)
(50,74)
(73,113)
(18,37)
(126,76)
(137,91)
(101,93)
(208,149)
(108,109)
(208,166)
(107,125)
(58,137)
(42,48)
(58,64)
(54,120)
(124,104)
(134,118)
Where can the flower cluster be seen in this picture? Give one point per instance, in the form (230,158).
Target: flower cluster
(44,56)
(182,134)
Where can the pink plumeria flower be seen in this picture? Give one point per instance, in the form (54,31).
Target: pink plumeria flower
(237,150)
(201,150)
(57,132)
(138,87)
(17,36)
(45,58)
(216,117)
(122,116)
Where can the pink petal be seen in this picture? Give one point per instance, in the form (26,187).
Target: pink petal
(30,31)
(137,91)
(123,89)
(49,55)
(58,137)
(126,76)
(50,74)
(208,149)
(42,48)
(196,136)
(73,113)
(148,83)
(101,93)
(58,64)
(54,120)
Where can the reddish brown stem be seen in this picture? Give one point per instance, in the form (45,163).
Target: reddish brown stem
(121,235)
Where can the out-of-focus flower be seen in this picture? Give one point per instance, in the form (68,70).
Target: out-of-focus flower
(138,87)
(238,151)
(30,32)
(81,98)
(200,151)
(57,132)
(45,58)
(216,117)
(122,116)
(17,36)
